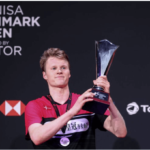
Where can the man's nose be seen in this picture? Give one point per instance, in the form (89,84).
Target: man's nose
(59,70)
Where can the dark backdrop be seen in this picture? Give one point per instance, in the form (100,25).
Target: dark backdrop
(74,27)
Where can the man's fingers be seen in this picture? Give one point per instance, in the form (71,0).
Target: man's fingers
(89,90)
(99,80)
(103,77)
(100,83)
(88,95)
(94,82)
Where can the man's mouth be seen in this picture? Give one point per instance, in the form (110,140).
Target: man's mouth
(59,77)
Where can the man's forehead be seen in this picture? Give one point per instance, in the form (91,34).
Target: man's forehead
(55,61)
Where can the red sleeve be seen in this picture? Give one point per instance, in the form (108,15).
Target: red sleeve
(33,114)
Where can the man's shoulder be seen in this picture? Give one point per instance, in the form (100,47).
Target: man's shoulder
(75,94)
(37,101)
(74,98)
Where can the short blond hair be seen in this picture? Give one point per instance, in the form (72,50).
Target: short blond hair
(53,52)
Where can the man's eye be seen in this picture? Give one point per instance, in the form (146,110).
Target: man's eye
(63,67)
(54,68)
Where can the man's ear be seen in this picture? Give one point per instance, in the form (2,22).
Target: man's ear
(44,75)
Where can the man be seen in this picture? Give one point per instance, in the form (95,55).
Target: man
(58,120)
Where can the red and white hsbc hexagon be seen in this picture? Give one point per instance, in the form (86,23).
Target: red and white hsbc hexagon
(12,108)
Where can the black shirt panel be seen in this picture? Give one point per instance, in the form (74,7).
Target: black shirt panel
(78,140)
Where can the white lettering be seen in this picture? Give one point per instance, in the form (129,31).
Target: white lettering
(0,32)
(10,50)
(34,21)
(17,49)
(4,10)
(0,49)
(7,42)
(26,21)
(6,21)
(144,107)
(0,9)
(148,109)
(7,33)
(17,22)
(10,10)
(18,10)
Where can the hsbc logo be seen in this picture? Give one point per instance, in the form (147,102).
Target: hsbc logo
(133,108)
(12,108)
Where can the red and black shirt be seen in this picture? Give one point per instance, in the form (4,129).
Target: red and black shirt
(79,133)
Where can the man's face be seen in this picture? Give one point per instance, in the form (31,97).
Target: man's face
(57,72)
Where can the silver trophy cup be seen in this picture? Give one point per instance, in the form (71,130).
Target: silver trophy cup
(105,51)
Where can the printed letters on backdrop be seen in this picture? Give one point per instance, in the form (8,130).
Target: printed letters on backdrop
(10,17)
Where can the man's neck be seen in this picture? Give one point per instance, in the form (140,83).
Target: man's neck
(59,95)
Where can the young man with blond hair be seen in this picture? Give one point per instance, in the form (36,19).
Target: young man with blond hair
(57,120)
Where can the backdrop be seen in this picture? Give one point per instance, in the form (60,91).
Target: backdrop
(29,28)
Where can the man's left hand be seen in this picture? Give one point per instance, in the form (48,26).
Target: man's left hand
(102,81)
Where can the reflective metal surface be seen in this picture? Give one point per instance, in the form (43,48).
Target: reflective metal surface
(105,51)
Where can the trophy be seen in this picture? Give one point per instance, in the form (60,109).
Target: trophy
(105,52)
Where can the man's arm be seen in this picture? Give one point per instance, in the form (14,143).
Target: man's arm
(114,122)
(41,133)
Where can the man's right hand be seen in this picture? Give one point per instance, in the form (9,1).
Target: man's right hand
(85,97)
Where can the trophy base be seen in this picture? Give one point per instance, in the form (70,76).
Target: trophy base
(100,103)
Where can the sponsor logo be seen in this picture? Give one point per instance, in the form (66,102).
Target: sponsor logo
(99,95)
(75,125)
(12,108)
(13,16)
(133,108)
(46,107)
(96,93)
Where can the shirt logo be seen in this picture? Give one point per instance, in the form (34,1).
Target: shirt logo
(75,125)
(46,107)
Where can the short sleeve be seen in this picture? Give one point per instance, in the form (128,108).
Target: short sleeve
(32,115)
(99,121)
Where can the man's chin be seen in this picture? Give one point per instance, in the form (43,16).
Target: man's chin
(61,85)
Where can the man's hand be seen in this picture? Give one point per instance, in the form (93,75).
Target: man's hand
(102,82)
(114,122)
(85,97)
